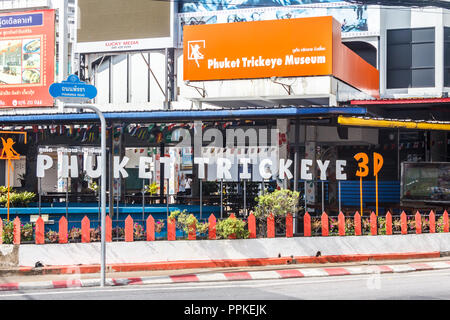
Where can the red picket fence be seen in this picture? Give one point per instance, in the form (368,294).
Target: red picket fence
(327,227)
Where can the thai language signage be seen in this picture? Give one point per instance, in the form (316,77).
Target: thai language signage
(260,49)
(27,52)
(73,90)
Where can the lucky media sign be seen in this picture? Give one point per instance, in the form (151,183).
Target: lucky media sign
(27,52)
(259,49)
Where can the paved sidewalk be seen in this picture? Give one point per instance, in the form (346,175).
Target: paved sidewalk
(221,274)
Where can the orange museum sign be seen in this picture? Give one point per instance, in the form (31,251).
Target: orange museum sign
(263,49)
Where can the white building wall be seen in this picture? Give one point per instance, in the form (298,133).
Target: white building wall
(139,75)
(101,82)
(404,18)
(119,79)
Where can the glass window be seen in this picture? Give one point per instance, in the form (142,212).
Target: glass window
(422,35)
(422,55)
(398,79)
(447,57)
(411,58)
(422,77)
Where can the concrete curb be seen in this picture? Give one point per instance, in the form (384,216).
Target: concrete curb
(224,263)
(232,276)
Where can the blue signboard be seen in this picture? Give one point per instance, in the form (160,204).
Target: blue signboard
(23,20)
(73,89)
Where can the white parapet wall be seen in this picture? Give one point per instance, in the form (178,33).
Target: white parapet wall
(207,250)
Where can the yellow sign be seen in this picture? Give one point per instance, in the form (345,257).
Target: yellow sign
(363,171)
(8,153)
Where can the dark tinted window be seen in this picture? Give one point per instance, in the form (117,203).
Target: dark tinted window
(410,58)
(447,57)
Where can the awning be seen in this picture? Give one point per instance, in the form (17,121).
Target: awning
(266,101)
(394,123)
(182,115)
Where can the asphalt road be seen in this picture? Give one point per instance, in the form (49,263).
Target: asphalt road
(402,286)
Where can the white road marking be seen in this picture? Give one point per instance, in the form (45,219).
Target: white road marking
(230,284)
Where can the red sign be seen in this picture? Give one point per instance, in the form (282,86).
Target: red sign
(27,52)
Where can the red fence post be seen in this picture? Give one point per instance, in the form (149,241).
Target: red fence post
(418,223)
(171,229)
(212,227)
(108,229)
(270,226)
(307,225)
(1,231)
(341,224)
(85,230)
(357,219)
(373,224)
(445,221)
(192,234)
(16,231)
(403,223)
(289,226)
(432,222)
(62,232)
(388,223)
(325,225)
(150,228)
(251,225)
(39,237)
(129,229)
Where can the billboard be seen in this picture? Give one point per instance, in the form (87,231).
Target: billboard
(27,53)
(276,48)
(117,25)
(425,181)
(355,19)
(259,49)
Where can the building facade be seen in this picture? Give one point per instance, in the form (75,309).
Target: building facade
(135,54)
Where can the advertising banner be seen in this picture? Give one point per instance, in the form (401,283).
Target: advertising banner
(117,25)
(27,52)
(357,20)
(259,49)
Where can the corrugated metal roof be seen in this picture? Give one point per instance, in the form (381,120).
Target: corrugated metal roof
(182,115)
(389,101)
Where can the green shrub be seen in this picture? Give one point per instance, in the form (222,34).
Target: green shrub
(16,199)
(8,233)
(184,221)
(279,203)
(26,232)
(231,226)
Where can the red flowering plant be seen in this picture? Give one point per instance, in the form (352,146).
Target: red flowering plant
(138,231)
(159,225)
(51,236)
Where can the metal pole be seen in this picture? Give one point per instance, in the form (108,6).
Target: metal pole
(245,196)
(143,199)
(323,197)
(103,183)
(305,196)
(167,199)
(117,198)
(201,198)
(221,198)
(294,214)
(40,191)
(67,198)
(339,193)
